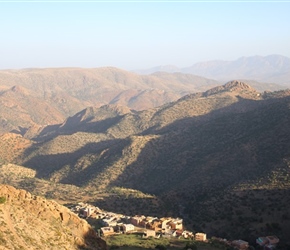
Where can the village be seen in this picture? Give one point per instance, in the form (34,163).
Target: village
(153,227)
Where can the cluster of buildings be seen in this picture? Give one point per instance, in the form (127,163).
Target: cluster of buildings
(113,223)
(149,226)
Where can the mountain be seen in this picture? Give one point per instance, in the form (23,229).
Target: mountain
(62,92)
(274,69)
(31,222)
(219,158)
(18,110)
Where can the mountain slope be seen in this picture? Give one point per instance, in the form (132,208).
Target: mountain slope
(59,93)
(17,107)
(96,86)
(31,222)
(114,130)
(62,92)
(12,146)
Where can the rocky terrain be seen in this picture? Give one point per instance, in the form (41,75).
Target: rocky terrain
(31,222)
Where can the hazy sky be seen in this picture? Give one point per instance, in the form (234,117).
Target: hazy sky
(139,34)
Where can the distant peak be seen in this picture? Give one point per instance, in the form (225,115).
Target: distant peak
(237,85)
(232,86)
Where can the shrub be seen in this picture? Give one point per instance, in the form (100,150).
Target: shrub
(2,200)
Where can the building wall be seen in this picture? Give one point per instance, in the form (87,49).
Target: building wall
(200,236)
(150,233)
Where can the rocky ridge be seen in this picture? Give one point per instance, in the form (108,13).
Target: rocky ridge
(32,222)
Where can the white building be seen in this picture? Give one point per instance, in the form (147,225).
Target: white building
(128,228)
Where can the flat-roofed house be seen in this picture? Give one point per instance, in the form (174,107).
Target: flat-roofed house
(240,244)
(149,233)
(200,237)
(176,224)
(137,219)
(107,230)
(128,228)
(273,240)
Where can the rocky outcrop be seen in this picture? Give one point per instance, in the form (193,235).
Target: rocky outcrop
(32,222)
(232,86)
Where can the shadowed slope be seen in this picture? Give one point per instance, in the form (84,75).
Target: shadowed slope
(191,122)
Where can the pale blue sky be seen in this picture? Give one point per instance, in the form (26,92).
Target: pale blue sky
(137,35)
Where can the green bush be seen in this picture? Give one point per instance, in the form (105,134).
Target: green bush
(2,200)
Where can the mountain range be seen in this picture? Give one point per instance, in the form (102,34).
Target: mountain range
(62,92)
(219,158)
(59,93)
(270,69)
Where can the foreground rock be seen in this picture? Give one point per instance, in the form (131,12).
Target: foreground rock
(31,222)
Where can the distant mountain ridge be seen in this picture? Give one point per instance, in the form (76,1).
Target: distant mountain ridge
(61,92)
(270,69)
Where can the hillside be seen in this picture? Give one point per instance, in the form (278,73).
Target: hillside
(31,222)
(12,146)
(62,92)
(219,158)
